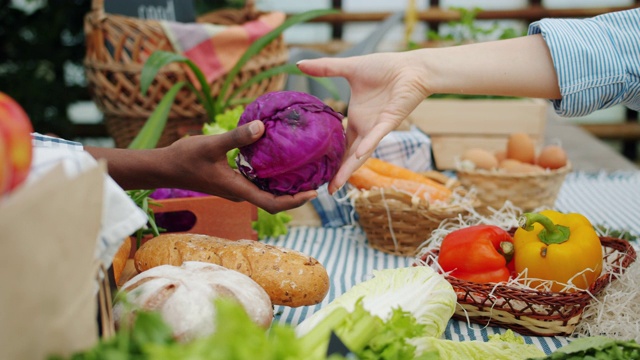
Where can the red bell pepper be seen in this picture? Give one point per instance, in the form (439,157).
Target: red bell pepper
(478,253)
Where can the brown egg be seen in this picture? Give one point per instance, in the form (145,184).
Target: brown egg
(552,157)
(482,159)
(521,147)
(500,155)
(511,166)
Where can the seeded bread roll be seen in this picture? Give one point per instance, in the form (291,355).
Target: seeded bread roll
(289,277)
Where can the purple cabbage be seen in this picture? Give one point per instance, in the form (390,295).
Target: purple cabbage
(171,193)
(175,221)
(302,146)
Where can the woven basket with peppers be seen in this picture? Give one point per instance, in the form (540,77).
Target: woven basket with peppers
(535,279)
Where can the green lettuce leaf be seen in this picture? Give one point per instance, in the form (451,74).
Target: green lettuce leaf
(506,347)
(596,347)
(419,290)
(271,224)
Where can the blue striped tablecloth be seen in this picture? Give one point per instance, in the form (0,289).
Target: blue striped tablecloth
(611,199)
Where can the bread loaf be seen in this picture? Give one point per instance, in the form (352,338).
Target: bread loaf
(290,277)
(183,295)
(120,259)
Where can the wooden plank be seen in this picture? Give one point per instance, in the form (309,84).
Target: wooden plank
(623,131)
(480,117)
(438,14)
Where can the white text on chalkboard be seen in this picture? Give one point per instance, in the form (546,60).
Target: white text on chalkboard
(158,12)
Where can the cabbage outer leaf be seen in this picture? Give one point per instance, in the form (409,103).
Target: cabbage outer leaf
(427,295)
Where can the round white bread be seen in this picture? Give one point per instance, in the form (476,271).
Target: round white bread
(184,296)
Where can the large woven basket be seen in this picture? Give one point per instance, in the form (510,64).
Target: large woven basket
(531,312)
(527,191)
(116,50)
(398,223)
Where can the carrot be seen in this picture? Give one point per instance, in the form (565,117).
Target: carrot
(388,169)
(365,178)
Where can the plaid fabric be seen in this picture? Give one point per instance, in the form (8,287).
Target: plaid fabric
(410,149)
(217,48)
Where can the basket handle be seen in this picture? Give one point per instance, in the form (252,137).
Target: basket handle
(97,7)
(250,8)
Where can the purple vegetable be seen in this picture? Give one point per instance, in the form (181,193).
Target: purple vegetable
(302,146)
(170,193)
(175,221)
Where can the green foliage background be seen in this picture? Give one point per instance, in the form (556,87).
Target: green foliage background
(34,50)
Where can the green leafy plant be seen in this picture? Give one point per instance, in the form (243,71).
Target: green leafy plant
(214,105)
(467,30)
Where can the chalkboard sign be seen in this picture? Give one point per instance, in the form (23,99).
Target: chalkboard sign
(171,10)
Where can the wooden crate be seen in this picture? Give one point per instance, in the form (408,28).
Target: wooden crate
(214,216)
(457,125)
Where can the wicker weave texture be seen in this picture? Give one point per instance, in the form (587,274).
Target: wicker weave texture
(397,223)
(526,191)
(531,312)
(116,50)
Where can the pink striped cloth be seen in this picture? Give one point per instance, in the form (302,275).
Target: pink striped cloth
(217,48)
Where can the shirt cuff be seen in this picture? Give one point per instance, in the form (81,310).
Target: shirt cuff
(591,73)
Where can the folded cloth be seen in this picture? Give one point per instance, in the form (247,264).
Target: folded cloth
(121,217)
(409,149)
(215,49)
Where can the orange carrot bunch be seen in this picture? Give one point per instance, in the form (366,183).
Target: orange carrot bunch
(376,173)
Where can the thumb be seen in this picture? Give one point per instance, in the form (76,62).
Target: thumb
(242,135)
(324,67)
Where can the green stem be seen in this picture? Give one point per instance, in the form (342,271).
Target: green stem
(507,250)
(551,234)
(316,340)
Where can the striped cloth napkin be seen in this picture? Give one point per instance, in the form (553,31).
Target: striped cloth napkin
(215,49)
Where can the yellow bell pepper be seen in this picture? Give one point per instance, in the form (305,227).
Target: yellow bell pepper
(556,247)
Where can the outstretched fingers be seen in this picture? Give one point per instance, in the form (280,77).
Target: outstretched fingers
(360,149)
(325,67)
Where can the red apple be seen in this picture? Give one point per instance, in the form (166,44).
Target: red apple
(4,168)
(15,135)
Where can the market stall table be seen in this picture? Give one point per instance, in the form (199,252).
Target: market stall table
(611,199)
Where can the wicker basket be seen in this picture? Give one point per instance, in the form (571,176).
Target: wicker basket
(526,191)
(531,312)
(116,50)
(398,223)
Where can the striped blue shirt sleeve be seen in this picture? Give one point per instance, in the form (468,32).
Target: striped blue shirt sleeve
(597,60)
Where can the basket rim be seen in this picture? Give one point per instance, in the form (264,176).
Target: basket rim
(495,174)
(404,197)
(411,202)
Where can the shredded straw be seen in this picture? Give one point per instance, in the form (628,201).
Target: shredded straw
(615,312)
(505,218)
